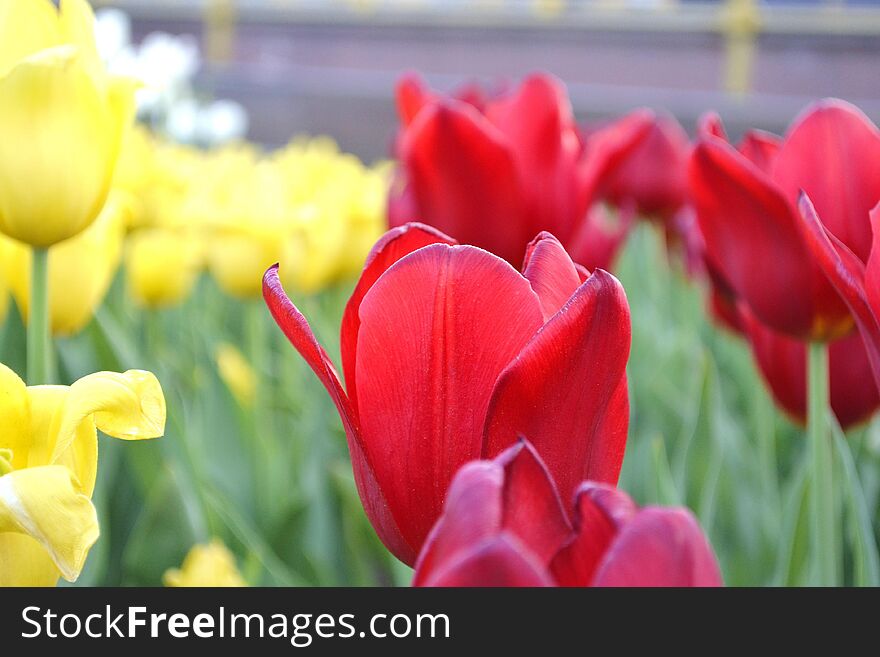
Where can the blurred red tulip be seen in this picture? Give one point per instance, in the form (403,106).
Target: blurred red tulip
(781,359)
(746,203)
(449,354)
(857,283)
(654,175)
(494,173)
(782,362)
(504,524)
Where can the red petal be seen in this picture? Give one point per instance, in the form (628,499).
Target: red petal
(499,562)
(472,515)
(760,148)
(297,329)
(600,511)
(601,235)
(412,94)
(752,235)
(391,247)
(782,361)
(436,330)
(532,509)
(710,125)
(872,270)
(551,273)
(465,181)
(833,153)
(654,176)
(659,547)
(847,273)
(566,391)
(402,206)
(538,123)
(606,149)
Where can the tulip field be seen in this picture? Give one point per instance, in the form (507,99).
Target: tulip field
(520,350)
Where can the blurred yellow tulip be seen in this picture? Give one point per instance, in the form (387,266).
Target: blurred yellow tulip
(4,292)
(49,461)
(237,373)
(81,270)
(63,120)
(238,256)
(211,564)
(161,266)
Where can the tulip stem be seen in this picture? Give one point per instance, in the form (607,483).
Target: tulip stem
(39,343)
(825,559)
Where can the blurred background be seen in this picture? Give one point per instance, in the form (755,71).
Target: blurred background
(329,66)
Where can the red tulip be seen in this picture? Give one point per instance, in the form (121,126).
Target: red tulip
(504,524)
(449,354)
(857,283)
(782,361)
(746,203)
(495,173)
(654,175)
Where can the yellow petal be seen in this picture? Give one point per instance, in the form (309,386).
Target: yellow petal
(238,258)
(15,416)
(24,562)
(61,133)
(130,406)
(77,26)
(206,565)
(46,504)
(26,27)
(161,266)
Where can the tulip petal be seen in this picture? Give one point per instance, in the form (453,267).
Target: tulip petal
(294,325)
(653,177)
(601,234)
(411,95)
(531,506)
(760,148)
(463,176)
(393,245)
(579,430)
(752,236)
(24,562)
(782,361)
(659,547)
(436,330)
(15,416)
(538,123)
(46,504)
(551,273)
(606,149)
(832,152)
(54,179)
(472,514)
(600,512)
(501,561)
(848,276)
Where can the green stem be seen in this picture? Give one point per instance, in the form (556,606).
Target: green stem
(39,343)
(821,497)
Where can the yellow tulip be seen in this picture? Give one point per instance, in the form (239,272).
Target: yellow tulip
(63,120)
(80,270)
(49,461)
(238,256)
(4,293)
(237,373)
(211,564)
(161,266)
